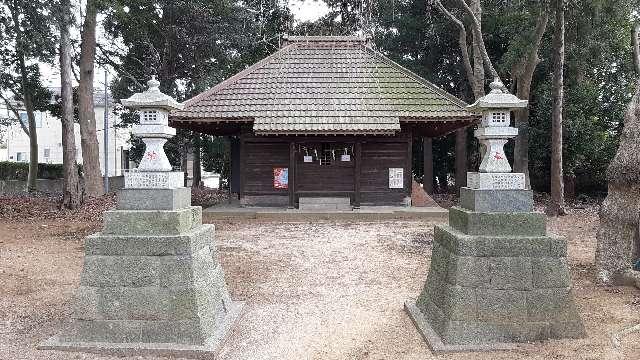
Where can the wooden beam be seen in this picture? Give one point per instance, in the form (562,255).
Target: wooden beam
(427,181)
(358,172)
(243,164)
(292,175)
(461,158)
(408,176)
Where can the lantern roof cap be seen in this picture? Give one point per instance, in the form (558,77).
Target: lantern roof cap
(498,98)
(152,98)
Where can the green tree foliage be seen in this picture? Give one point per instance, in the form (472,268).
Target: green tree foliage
(27,35)
(193,45)
(599,70)
(189,45)
(599,82)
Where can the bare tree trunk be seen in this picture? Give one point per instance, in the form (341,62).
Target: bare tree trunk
(476,80)
(556,206)
(478,60)
(476,72)
(636,47)
(33,135)
(185,162)
(28,101)
(71,196)
(197,163)
(90,152)
(524,77)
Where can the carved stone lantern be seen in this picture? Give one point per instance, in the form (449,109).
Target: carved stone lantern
(151,282)
(494,133)
(154,170)
(497,277)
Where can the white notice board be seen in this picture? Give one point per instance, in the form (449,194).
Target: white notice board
(396,178)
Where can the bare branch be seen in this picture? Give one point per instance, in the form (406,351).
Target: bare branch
(477,32)
(105,58)
(15,112)
(462,38)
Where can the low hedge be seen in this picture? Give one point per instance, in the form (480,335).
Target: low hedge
(19,171)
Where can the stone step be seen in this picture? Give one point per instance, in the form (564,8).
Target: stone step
(150,245)
(151,222)
(325,200)
(498,224)
(326,207)
(325,203)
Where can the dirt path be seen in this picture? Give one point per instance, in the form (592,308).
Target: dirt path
(313,291)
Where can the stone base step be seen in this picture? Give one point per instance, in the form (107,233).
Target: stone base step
(325,203)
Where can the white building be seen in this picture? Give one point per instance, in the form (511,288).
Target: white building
(49,130)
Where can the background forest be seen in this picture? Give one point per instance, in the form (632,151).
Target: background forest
(193,45)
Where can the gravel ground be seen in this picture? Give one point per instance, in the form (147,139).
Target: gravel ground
(313,290)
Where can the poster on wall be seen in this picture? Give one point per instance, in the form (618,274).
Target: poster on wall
(396,178)
(281,178)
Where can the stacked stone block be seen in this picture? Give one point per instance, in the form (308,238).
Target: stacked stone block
(496,277)
(151,281)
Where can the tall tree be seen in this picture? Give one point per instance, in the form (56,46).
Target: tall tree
(522,72)
(90,150)
(556,205)
(166,38)
(25,34)
(599,82)
(522,53)
(472,11)
(635,40)
(71,194)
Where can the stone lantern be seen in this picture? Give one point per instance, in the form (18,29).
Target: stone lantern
(496,277)
(494,133)
(151,282)
(154,170)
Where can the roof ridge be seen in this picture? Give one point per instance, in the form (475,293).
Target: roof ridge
(418,78)
(233,79)
(355,38)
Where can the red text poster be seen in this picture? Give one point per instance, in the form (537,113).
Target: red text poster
(281,178)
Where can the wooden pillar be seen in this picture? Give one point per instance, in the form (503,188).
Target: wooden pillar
(427,181)
(408,168)
(292,175)
(358,173)
(461,158)
(243,165)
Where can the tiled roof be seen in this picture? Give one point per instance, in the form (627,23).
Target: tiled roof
(323,85)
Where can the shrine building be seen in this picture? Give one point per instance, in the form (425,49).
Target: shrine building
(326,117)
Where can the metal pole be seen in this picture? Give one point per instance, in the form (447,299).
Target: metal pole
(106,134)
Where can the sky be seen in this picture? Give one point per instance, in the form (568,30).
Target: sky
(308,10)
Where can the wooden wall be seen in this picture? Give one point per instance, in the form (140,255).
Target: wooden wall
(377,158)
(259,155)
(259,160)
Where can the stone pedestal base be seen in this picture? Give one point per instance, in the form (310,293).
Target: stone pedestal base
(151,283)
(496,181)
(496,278)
